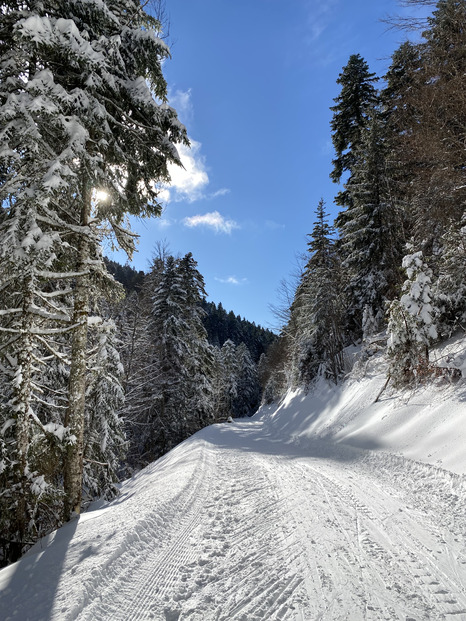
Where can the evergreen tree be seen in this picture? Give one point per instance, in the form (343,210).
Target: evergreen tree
(248,392)
(449,291)
(317,311)
(411,325)
(200,359)
(34,316)
(357,99)
(104,445)
(230,370)
(181,363)
(371,237)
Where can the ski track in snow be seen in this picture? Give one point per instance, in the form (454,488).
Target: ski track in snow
(239,525)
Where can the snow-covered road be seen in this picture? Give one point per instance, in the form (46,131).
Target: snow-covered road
(236,524)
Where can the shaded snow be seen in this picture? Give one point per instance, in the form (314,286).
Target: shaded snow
(329,507)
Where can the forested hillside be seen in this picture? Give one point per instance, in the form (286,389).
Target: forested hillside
(221,325)
(393,262)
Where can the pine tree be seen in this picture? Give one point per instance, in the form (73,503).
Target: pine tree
(449,291)
(34,316)
(181,357)
(371,237)
(200,358)
(229,378)
(248,393)
(105,444)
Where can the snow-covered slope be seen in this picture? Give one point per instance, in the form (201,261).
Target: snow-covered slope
(307,511)
(426,424)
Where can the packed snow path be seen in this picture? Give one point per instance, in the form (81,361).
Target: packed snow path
(238,525)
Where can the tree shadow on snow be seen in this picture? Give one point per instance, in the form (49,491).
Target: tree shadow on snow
(256,438)
(28,587)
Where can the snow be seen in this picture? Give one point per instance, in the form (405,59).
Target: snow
(328,506)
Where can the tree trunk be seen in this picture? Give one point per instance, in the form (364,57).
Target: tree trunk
(75,415)
(22,404)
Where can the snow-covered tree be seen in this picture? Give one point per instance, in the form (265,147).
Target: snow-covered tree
(449,291)
(371,236)
(86,139)
(229,378)
(104,444)
(248,393)
(317,311)
(411,325)
(174,387)
(34,317)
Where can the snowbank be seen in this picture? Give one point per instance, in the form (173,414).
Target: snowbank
(427,424)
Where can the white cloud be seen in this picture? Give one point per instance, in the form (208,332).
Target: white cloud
(232,280)
(181,101)
(220,192)
(213,220)
(319,16)
(189,182)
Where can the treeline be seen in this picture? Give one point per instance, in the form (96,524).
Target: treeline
(395,257)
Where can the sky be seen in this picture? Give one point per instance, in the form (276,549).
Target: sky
(253,81)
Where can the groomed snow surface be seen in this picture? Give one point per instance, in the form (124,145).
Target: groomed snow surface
(328,507)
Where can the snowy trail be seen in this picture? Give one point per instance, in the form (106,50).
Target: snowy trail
(238,525)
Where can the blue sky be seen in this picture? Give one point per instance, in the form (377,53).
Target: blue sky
(253,81)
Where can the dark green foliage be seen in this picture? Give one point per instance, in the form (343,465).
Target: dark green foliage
(372,235)
(222,326)
(317,310)
(352,111)
(130,278)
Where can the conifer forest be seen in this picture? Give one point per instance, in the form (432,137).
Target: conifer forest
(104,369)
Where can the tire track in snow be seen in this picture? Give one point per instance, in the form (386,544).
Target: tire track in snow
(374,561)
(123,590)
(439,584)
(261,531)
(219,562)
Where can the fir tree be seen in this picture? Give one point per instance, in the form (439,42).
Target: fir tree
(357,99)
(449,291)
(317,311)
(105,444)
(248,393)
(371,237)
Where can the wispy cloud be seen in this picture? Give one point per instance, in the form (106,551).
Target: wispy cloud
(213,220)
(182,102)
(273,226)
(318,18)
(232,280)
(189,182)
